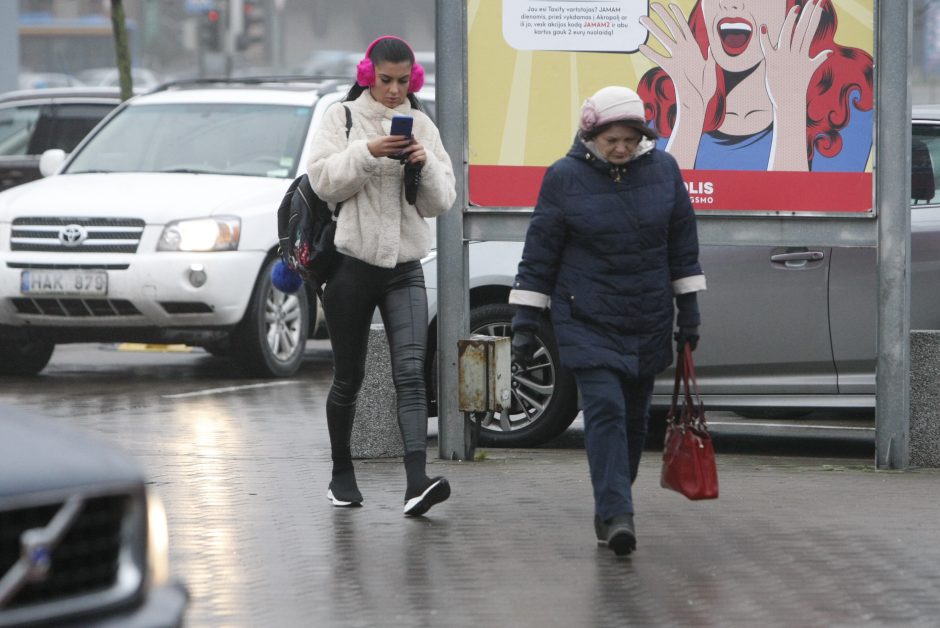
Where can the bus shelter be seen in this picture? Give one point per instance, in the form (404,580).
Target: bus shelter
(512,75)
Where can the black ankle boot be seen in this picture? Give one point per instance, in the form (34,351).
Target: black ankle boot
(621,534)
(600,530)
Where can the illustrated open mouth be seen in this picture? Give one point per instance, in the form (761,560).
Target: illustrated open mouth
(735,35)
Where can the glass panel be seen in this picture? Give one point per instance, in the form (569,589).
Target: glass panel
(925,164)
(17,125)
(214,138)
(73,122)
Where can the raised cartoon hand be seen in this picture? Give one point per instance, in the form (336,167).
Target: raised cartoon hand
(789,71)
(693,77)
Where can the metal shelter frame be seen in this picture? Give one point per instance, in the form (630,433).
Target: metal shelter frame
(888,229)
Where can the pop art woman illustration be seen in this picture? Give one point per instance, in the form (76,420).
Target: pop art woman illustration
(758,85)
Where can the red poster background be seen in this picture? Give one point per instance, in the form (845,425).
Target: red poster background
(716,190)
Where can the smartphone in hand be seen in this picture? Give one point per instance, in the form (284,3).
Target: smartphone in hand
(401,125)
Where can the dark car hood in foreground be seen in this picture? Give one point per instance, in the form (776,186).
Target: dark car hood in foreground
(38,454)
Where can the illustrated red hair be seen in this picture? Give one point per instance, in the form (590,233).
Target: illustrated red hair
(828,109)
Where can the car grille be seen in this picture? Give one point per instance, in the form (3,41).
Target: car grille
(86,560)
(76,235)
(52,306)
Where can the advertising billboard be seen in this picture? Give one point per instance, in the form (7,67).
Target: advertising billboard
(767,105)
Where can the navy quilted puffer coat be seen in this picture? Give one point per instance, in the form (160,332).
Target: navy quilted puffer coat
(611,246)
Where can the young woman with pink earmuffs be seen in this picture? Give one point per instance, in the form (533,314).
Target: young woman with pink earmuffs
(388,185)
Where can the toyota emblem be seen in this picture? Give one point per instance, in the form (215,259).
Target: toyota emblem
(72,235)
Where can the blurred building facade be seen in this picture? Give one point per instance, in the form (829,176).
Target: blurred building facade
(288,36)
(169,36)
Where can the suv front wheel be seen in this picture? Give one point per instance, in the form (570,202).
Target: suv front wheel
(271,339)
(24,356)
(544,395)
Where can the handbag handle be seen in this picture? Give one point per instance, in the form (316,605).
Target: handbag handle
(683,359)
(685,373)
(680,370)
(690,386)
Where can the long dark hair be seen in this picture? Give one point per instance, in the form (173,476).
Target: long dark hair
(387,50)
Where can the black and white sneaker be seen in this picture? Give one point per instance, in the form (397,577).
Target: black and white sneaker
(437,491)
(343,491)
(342,503)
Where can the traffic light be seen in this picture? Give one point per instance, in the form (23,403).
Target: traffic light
(210,31)
(253,24)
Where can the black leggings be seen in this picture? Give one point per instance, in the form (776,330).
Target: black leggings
(349,301)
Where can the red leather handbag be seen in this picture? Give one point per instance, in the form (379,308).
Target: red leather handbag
(688,454)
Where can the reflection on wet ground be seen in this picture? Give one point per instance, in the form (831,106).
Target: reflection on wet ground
(799,535)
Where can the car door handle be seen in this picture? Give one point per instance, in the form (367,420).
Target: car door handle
(800,256)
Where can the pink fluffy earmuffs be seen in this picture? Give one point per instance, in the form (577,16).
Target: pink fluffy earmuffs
(365,71)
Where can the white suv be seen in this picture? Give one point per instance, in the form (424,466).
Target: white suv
(161,227)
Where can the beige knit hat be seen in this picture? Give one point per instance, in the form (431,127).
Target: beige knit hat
(615,104)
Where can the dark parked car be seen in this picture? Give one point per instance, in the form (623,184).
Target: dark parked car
(32,121)
(82,540)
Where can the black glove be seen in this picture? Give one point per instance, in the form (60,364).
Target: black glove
(524,346)
(686,335)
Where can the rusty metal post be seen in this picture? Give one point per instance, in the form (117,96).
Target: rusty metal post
(484,381)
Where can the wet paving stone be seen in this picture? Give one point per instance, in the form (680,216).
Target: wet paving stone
(794,540)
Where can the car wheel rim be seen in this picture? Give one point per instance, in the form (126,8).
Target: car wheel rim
(283,324)
(532,387)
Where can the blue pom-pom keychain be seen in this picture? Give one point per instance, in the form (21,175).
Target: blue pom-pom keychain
(284,279)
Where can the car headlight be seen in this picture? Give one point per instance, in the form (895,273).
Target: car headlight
(201,234)
(158,542)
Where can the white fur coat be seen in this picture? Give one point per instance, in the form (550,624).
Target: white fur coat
(376,224)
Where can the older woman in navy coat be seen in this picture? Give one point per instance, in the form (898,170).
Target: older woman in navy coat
(612,244)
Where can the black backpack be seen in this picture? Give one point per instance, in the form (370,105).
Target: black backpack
(305,229)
